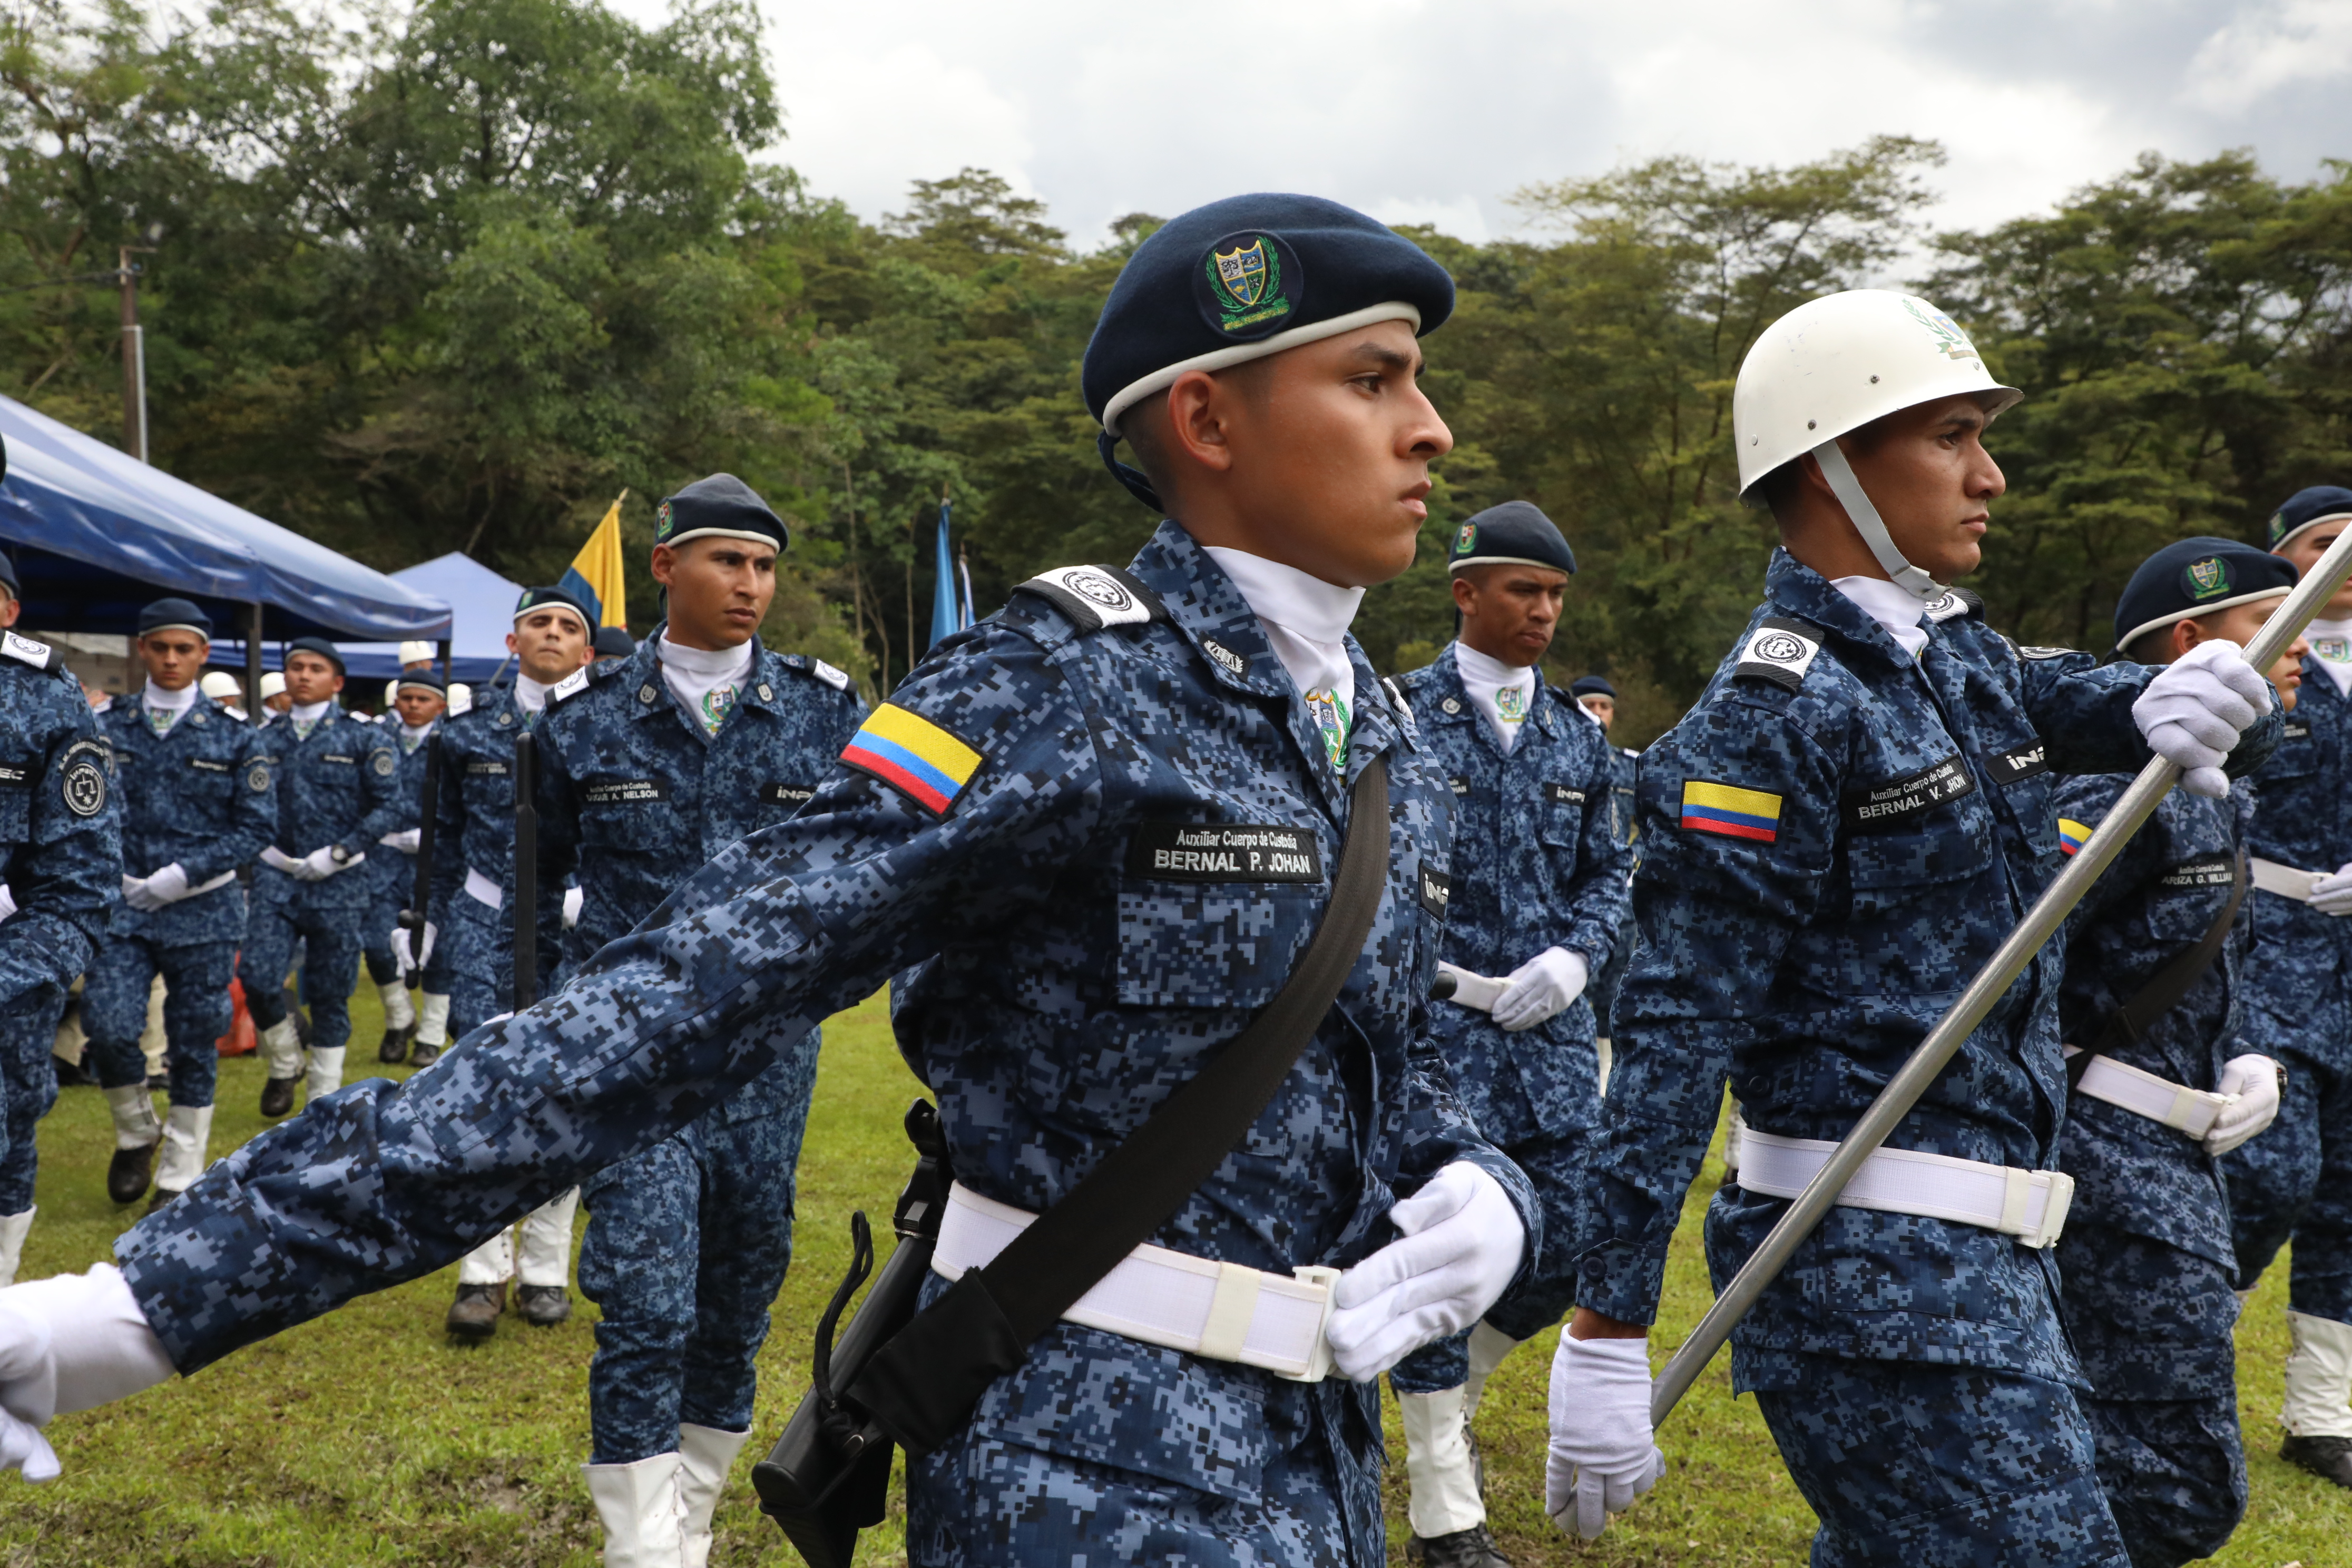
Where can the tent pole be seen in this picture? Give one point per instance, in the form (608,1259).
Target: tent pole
(448,667)
(253,663)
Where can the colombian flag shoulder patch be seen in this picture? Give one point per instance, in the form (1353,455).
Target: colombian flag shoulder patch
(2071,835)
(914,756)
(1731,811)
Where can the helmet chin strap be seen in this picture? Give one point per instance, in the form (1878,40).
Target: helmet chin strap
(1867,523)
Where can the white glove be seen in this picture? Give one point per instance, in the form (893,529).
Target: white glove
(67,1344)
(1463,1242)
(2333,895)
(2194,710)
(400,944)
(1601,1457)
(573,898)
(321,864)
(408,840)
(1542,986)
(2253,1083)
(168,886)
(7,902)
(277,860)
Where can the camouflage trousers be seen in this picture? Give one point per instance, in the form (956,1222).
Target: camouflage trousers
(1939,1466)
(686,1249)
(29,1087)
(196,1012)
(330,967)
(477,944)
(2295,1180)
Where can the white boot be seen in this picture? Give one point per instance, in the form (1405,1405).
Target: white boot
(638,1505)
(2318,1378)
(326,1072)
(398,1012)
(185,1134)
(545,1255)
(13,1227)
(281,1049)
(1488,1346)
(1437,1464)
(706,1454)
(135,1122)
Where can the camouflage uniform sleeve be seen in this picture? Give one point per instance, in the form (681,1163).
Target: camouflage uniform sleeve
(1597,897)
(556,795)
(67,872)
(380,790)
(2082,711)
(252,817)
(1440,1131)
(449,867)
(383,1184)
(1716,910)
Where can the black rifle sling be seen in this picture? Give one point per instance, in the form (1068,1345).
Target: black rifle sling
(2167,986)
(1141,1183)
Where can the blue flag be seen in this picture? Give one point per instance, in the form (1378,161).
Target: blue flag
(947,616)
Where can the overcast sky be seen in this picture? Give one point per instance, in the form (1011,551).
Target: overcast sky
(1436,110)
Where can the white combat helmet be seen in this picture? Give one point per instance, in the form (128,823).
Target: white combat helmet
(390,694)
(1833,364)
(461,700)
(416,653)
(219,685)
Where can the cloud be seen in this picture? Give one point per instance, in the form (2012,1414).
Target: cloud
(2268,46)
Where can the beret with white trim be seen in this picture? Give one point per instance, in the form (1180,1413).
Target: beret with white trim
(318,645)
(175,615)
(1592,686)
(1241,278)
(722,506)
(1516,533)
(2197,577)
(2308,508)
(614,642)
(540,599)
(430,680)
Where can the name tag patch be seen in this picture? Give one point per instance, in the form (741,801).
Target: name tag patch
(1561,794)
(1907,798)
(1458,784)
(207,765)
(2213,871)
(1224,852)
(623,792)
(2296,730)
(335,757)
(1436,887)
(489,769)
(786,793)
(2009,767)
(16,775)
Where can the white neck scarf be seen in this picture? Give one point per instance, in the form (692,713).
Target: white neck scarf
(163,709)
(306,717)
(2331,642)
(707,680)
(530,695)
(1305,622)
(413,735)
(1503,693)
(1894,607)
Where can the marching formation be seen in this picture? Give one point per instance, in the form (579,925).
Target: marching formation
(1462,989)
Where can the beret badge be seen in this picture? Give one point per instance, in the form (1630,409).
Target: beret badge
(1247,285)
(1465,539)
(662,523)
(2206,578)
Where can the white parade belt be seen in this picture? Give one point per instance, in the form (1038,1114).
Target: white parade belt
(2286,881)
(2190,1110)
(1480,992)
(2027,1205)
(209,883)
(482,891)
(1221,1311)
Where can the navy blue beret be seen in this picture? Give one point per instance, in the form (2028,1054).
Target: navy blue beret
(1592,686)
(1515,532)
(175,615)
(318,645)
(614,642)
(540,598)
(2197,577)
(1241,278)
(722,506)
(428,679)
(8,574)
(2309,508)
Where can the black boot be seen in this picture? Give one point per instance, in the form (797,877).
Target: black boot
(543,1306)
(473,1315)
(278,1097)
(425,1055)
(395,1044)
(1470,1548)
(160,1198)
(130,1172)
(2329,1459)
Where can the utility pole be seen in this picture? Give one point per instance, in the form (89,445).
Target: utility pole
(134,354)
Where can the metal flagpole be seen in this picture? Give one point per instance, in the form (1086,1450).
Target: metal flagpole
(1903,1092)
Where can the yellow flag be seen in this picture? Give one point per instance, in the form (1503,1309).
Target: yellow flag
(598,569)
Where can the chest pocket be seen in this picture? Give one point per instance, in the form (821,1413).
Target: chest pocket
(1914,846)
(1214,914)
(635,813)
(1559,813)
(211,781)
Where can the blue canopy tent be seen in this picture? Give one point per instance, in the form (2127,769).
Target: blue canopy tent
(483,604)
(95,533)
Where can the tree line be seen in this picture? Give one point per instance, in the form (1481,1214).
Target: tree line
(453,276)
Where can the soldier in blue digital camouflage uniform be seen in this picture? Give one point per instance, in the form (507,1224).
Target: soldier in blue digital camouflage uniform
(60,870)
(197,803)
(2146,1259)
(414,708)
(1017,823)
(474,914)
(1539,890)
(1598,698)
(1833,840)
(338,793)
(2296,1180)
(653,764)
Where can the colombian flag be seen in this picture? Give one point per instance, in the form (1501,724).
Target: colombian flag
(1730,810)
(2071,835)
(914,755)
(595,576)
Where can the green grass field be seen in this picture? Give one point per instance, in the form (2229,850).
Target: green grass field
(368,1438)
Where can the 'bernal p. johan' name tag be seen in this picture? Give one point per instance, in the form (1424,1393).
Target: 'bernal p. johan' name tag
(1907,798)
(1224,852)
(623,792)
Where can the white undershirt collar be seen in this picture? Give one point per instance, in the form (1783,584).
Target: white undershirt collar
(310,712)
(2332,642)
(707,680)
(1896,608)
(1306,619)
(158,701)
(1488,681)
(530,695)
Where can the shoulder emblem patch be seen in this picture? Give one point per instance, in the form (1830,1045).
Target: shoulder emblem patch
(1731,811)
(1779,651)
(25,650)
(2071,835)
(2030,652)
(257,777)
(385,765)
(82,779)
(571,686)
(913,756)
(837,679)
(1093,597)
(1952,602)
